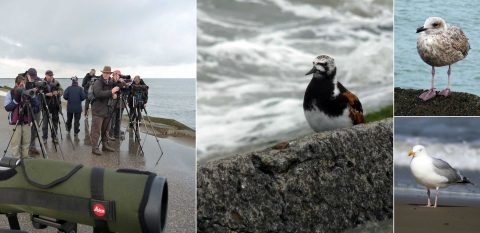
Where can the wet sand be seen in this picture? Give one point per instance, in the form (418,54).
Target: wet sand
(177,165)
(458,210)
(452,215)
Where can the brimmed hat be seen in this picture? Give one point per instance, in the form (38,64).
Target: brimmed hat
(107,69)
(49,72)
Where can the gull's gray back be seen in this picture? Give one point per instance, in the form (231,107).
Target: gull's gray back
(444,169)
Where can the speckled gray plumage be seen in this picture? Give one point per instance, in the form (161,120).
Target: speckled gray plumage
(444,48)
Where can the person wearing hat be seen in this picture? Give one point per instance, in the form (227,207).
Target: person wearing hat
(115,122)
(86,83)
(53,91)
(74,95)
(32,78)
(104,93)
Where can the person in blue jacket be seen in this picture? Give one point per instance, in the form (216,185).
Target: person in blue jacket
(20,116)
(74,95)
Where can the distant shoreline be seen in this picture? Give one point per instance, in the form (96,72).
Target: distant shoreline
(164,127)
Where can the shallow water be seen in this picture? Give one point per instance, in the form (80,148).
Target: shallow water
(172,98)
(253,54)
(410,70)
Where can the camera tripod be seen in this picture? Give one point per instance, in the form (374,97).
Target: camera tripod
(59,104)
(121,100)
(53,130)
(135,119)
(39,222)
(138,104)
(24,111)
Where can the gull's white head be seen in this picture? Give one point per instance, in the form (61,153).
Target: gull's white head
(417,150)
(433,25)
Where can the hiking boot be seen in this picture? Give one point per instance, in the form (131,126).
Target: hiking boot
(106,147)
(96,151)
(54,140)
(44,141)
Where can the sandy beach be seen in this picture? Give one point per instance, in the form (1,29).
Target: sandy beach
(452,215)
(458,206)
(177,165)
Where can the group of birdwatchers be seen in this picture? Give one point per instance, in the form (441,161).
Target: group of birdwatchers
(34,102)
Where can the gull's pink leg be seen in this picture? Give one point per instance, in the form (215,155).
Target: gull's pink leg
(428,194)
(447,91)
(430,93)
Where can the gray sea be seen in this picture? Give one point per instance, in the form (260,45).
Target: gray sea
(253,54)
(453,139)
(410,70)
(172,98)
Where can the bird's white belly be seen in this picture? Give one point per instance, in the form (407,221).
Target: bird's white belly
(423,171)
(319,121)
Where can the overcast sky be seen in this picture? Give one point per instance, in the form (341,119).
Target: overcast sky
(152,38)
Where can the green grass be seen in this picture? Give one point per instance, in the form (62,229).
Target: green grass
(170,122)
(385,112)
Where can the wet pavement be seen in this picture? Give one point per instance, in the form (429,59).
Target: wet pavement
(177,165)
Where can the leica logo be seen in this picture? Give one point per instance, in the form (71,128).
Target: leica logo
(99,210)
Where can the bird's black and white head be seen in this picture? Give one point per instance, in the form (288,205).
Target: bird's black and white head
(433,25)
(417,150)
(323,66)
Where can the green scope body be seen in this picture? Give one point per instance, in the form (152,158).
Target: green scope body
(122,200)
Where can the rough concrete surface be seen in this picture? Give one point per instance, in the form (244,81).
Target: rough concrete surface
(407,103)
(325,182)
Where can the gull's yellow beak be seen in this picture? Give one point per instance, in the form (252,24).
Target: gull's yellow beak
(411,153)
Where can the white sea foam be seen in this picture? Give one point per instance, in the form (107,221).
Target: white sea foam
(251,65)
(461,155)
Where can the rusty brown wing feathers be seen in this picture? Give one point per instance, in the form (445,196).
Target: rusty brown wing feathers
(354,105)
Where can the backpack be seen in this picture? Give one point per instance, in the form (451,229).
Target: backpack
(90,95)
(19,114)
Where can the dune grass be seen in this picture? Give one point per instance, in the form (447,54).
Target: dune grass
(385,112)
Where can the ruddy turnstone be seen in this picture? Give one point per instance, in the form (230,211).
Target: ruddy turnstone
(327,103)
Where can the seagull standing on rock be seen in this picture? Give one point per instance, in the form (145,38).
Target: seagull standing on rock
(327,104)
(439,45)
(433,173)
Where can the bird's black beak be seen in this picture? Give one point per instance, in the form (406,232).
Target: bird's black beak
(421,29)
(311,71)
